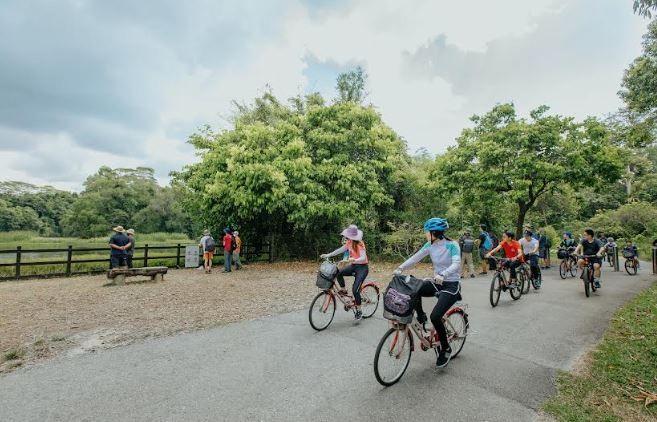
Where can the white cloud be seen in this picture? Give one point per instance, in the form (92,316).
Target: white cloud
(511,50)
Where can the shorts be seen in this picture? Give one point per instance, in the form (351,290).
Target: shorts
(208,256)
(596,260)
(542,253)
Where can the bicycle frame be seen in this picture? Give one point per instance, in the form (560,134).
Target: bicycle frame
(427,338)
(347,300)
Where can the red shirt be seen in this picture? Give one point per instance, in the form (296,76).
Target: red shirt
(228,240)
(511,249)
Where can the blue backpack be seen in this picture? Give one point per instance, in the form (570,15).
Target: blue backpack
(488,243)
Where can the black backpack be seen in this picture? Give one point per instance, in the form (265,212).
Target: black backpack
(401,298)
(210,245)
(468,244)
(233,243)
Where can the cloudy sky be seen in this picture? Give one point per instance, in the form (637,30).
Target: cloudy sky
(123,83)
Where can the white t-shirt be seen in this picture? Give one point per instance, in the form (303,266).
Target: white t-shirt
(528,246)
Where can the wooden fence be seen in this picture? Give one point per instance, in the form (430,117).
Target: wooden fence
(249,253)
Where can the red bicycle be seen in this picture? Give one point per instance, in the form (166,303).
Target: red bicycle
(322,308)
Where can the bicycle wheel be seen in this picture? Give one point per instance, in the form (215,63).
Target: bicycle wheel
(517,292)
(523,279)
(573,267)
(393,354)
(370,300)
(585,278)
(538,282)
(457,329)
(495,289)
(322,310)
(630,267)
(563,269)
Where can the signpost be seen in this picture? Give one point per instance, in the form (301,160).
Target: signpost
(191,257)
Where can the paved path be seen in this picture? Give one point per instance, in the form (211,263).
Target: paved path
(279,369)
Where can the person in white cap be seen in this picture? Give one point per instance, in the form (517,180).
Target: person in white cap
(358,267)
(131,247)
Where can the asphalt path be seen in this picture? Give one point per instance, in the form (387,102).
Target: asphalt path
(279,369)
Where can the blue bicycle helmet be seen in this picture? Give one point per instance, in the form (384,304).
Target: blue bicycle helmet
(436,224)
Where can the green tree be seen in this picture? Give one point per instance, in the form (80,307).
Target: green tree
(506,159)
(299,171)
(165,213)
(111,197)
(351,86)
(639,89)
(18,218)
(645,7)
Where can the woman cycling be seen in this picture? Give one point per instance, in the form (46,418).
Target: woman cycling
(354,247)
(446,258)
(568,242)
(512,252)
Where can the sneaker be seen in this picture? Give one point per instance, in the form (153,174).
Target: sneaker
(462,276)
(513,285)
(596,283)
(444,357)
(482,273)
(359,315)
(472,276)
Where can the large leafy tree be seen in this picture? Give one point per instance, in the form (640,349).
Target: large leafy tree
(639,91)
(506,160)
(645,7)
(49,204)
(111,197)
(300,171)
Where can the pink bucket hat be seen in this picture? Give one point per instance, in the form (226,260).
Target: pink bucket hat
(352,233)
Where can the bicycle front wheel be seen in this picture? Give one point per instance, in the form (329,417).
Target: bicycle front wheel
(495,290)
(370,300)
(563,269)
(630,267)
(322,311)
(393,354)
(523,279)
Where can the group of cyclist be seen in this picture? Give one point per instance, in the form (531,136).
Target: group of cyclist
(445,256)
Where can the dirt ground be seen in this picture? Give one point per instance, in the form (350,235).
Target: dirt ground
(40,319)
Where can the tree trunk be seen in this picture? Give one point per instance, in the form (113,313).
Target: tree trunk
(523,207)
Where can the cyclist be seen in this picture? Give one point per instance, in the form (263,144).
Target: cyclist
(568,242)
(512,252)
(591,246)
(530,252)
(630,251)
(446,259)
(354,248)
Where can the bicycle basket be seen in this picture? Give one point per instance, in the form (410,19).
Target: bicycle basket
(401,297)
(562,253)
(628,254)
(328,269)
(323,282)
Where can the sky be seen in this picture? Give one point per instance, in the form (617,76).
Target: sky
(88,83)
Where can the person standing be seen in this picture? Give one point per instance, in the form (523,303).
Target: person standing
(238,249)
(131,247)
(544,244)
(228,250)
(485,245)
(467,244)
(208,245)
(118,243)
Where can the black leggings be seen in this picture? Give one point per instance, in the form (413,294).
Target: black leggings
(359,271)
(513,265)
(448,294)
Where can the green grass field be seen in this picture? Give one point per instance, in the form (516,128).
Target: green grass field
(619,381)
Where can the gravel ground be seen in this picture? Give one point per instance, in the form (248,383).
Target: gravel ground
(40,319)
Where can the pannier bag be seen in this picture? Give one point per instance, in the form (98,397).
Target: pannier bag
(401,297)
(326,275)
(562,253)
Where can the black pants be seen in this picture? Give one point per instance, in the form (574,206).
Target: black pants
(513,265)
(448,294)
(533,264)
(129,260)
(118,260)
(359,271)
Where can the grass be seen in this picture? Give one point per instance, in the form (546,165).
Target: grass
(14,354)
(619,380)
(31,240)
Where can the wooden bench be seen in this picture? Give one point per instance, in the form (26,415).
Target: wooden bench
(119,274)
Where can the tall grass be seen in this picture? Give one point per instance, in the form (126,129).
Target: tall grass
(31,240)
